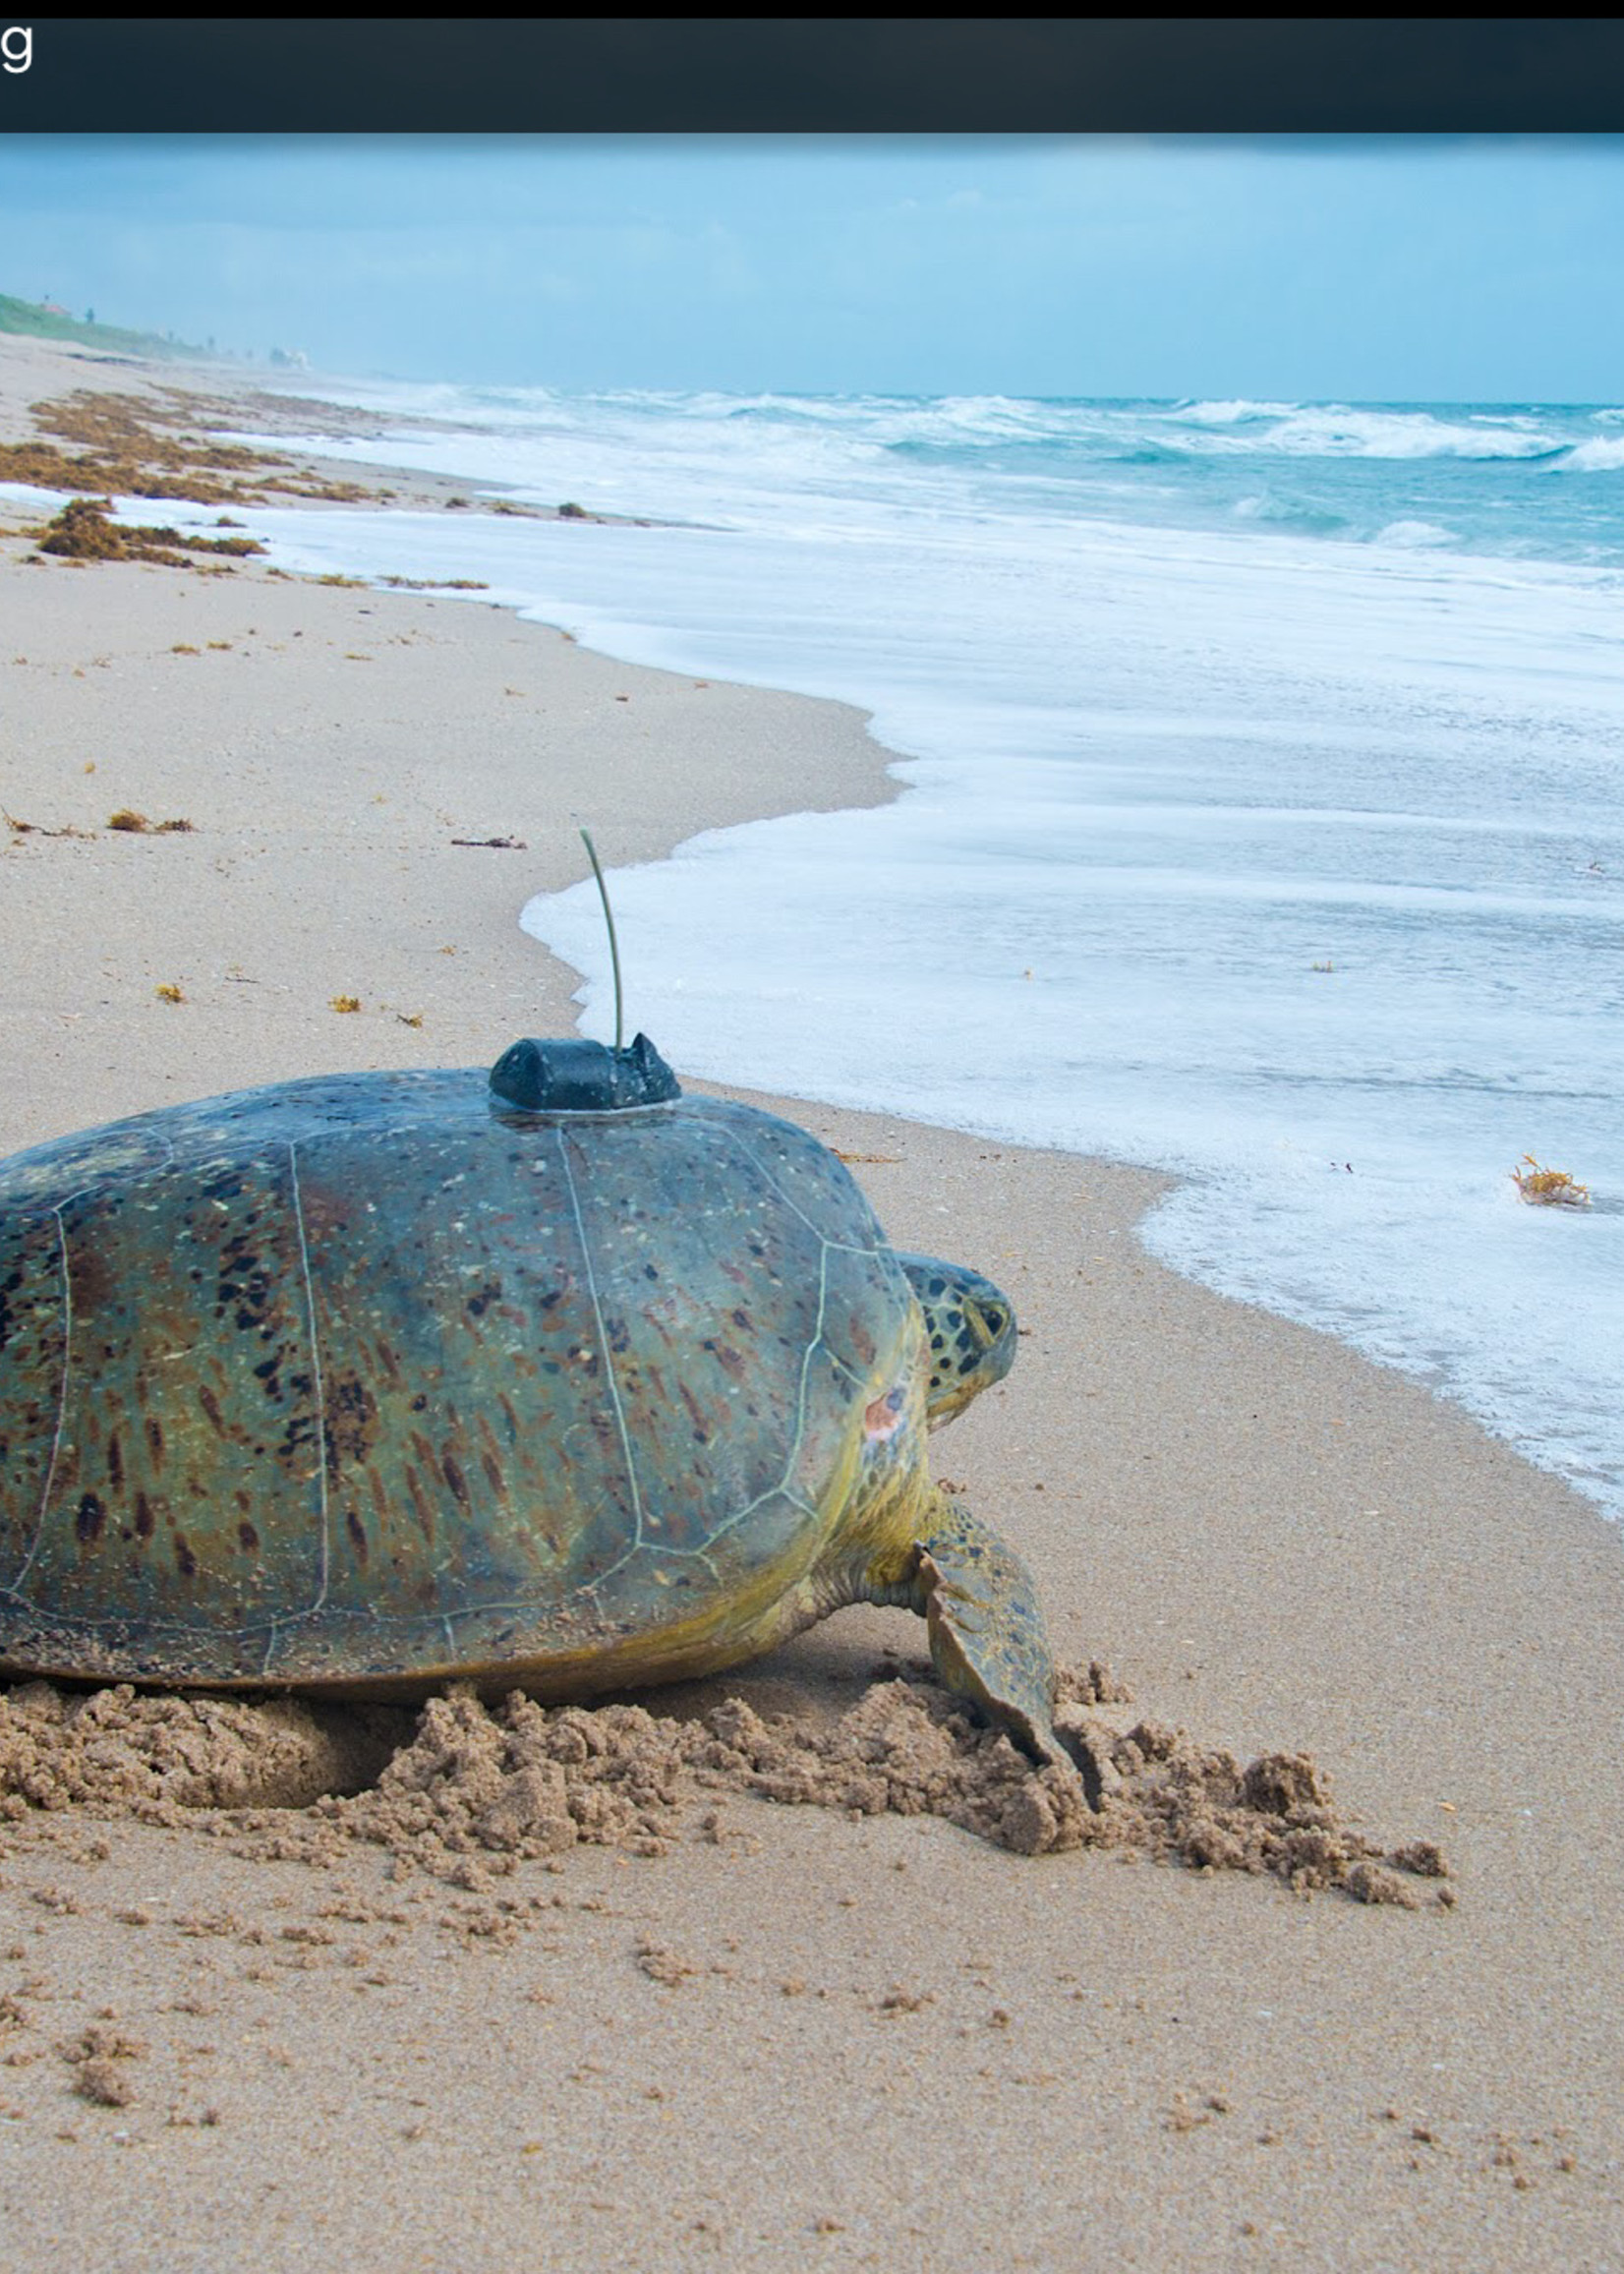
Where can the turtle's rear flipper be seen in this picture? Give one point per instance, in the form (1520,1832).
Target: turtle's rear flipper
(987,1639)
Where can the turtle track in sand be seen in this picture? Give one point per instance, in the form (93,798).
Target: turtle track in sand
(462,1791)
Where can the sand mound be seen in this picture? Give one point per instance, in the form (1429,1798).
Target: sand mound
(462,1789)
(161,1756)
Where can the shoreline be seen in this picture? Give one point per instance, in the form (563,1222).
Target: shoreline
(1453,1334)
(501,730)
(1270,1540)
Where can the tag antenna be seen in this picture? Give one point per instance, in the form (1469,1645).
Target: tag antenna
(608,919)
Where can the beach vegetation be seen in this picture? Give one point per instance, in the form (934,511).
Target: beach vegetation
(1549,1188)
(346,1003)
(38,319)
(168,992)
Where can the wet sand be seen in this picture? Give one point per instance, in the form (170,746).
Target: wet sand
(777,2034)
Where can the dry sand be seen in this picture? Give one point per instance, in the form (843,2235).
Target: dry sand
(578,1990)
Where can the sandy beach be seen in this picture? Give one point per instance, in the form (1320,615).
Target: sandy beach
(737,2032)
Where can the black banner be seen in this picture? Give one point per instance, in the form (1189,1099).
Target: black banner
(811,74)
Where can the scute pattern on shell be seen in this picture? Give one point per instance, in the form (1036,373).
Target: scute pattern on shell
(357,1376)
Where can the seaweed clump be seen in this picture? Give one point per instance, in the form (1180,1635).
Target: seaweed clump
(151,447)
(1549,1188)
(133,824)
(85,530)
(433,583)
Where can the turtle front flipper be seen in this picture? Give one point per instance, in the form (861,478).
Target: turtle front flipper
(987,1637)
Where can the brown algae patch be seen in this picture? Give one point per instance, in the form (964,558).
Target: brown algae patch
(85,530)
(1548,1188)
(157,446)
(462,1788)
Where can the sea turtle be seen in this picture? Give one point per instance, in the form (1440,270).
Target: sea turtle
(558,1380)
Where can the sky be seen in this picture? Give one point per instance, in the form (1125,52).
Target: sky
(1341,268)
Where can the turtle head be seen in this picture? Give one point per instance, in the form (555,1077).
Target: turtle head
(578,1076)
(969,1329)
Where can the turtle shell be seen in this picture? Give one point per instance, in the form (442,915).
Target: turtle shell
(361,1382)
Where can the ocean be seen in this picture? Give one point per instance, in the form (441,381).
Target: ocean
(1263,817)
